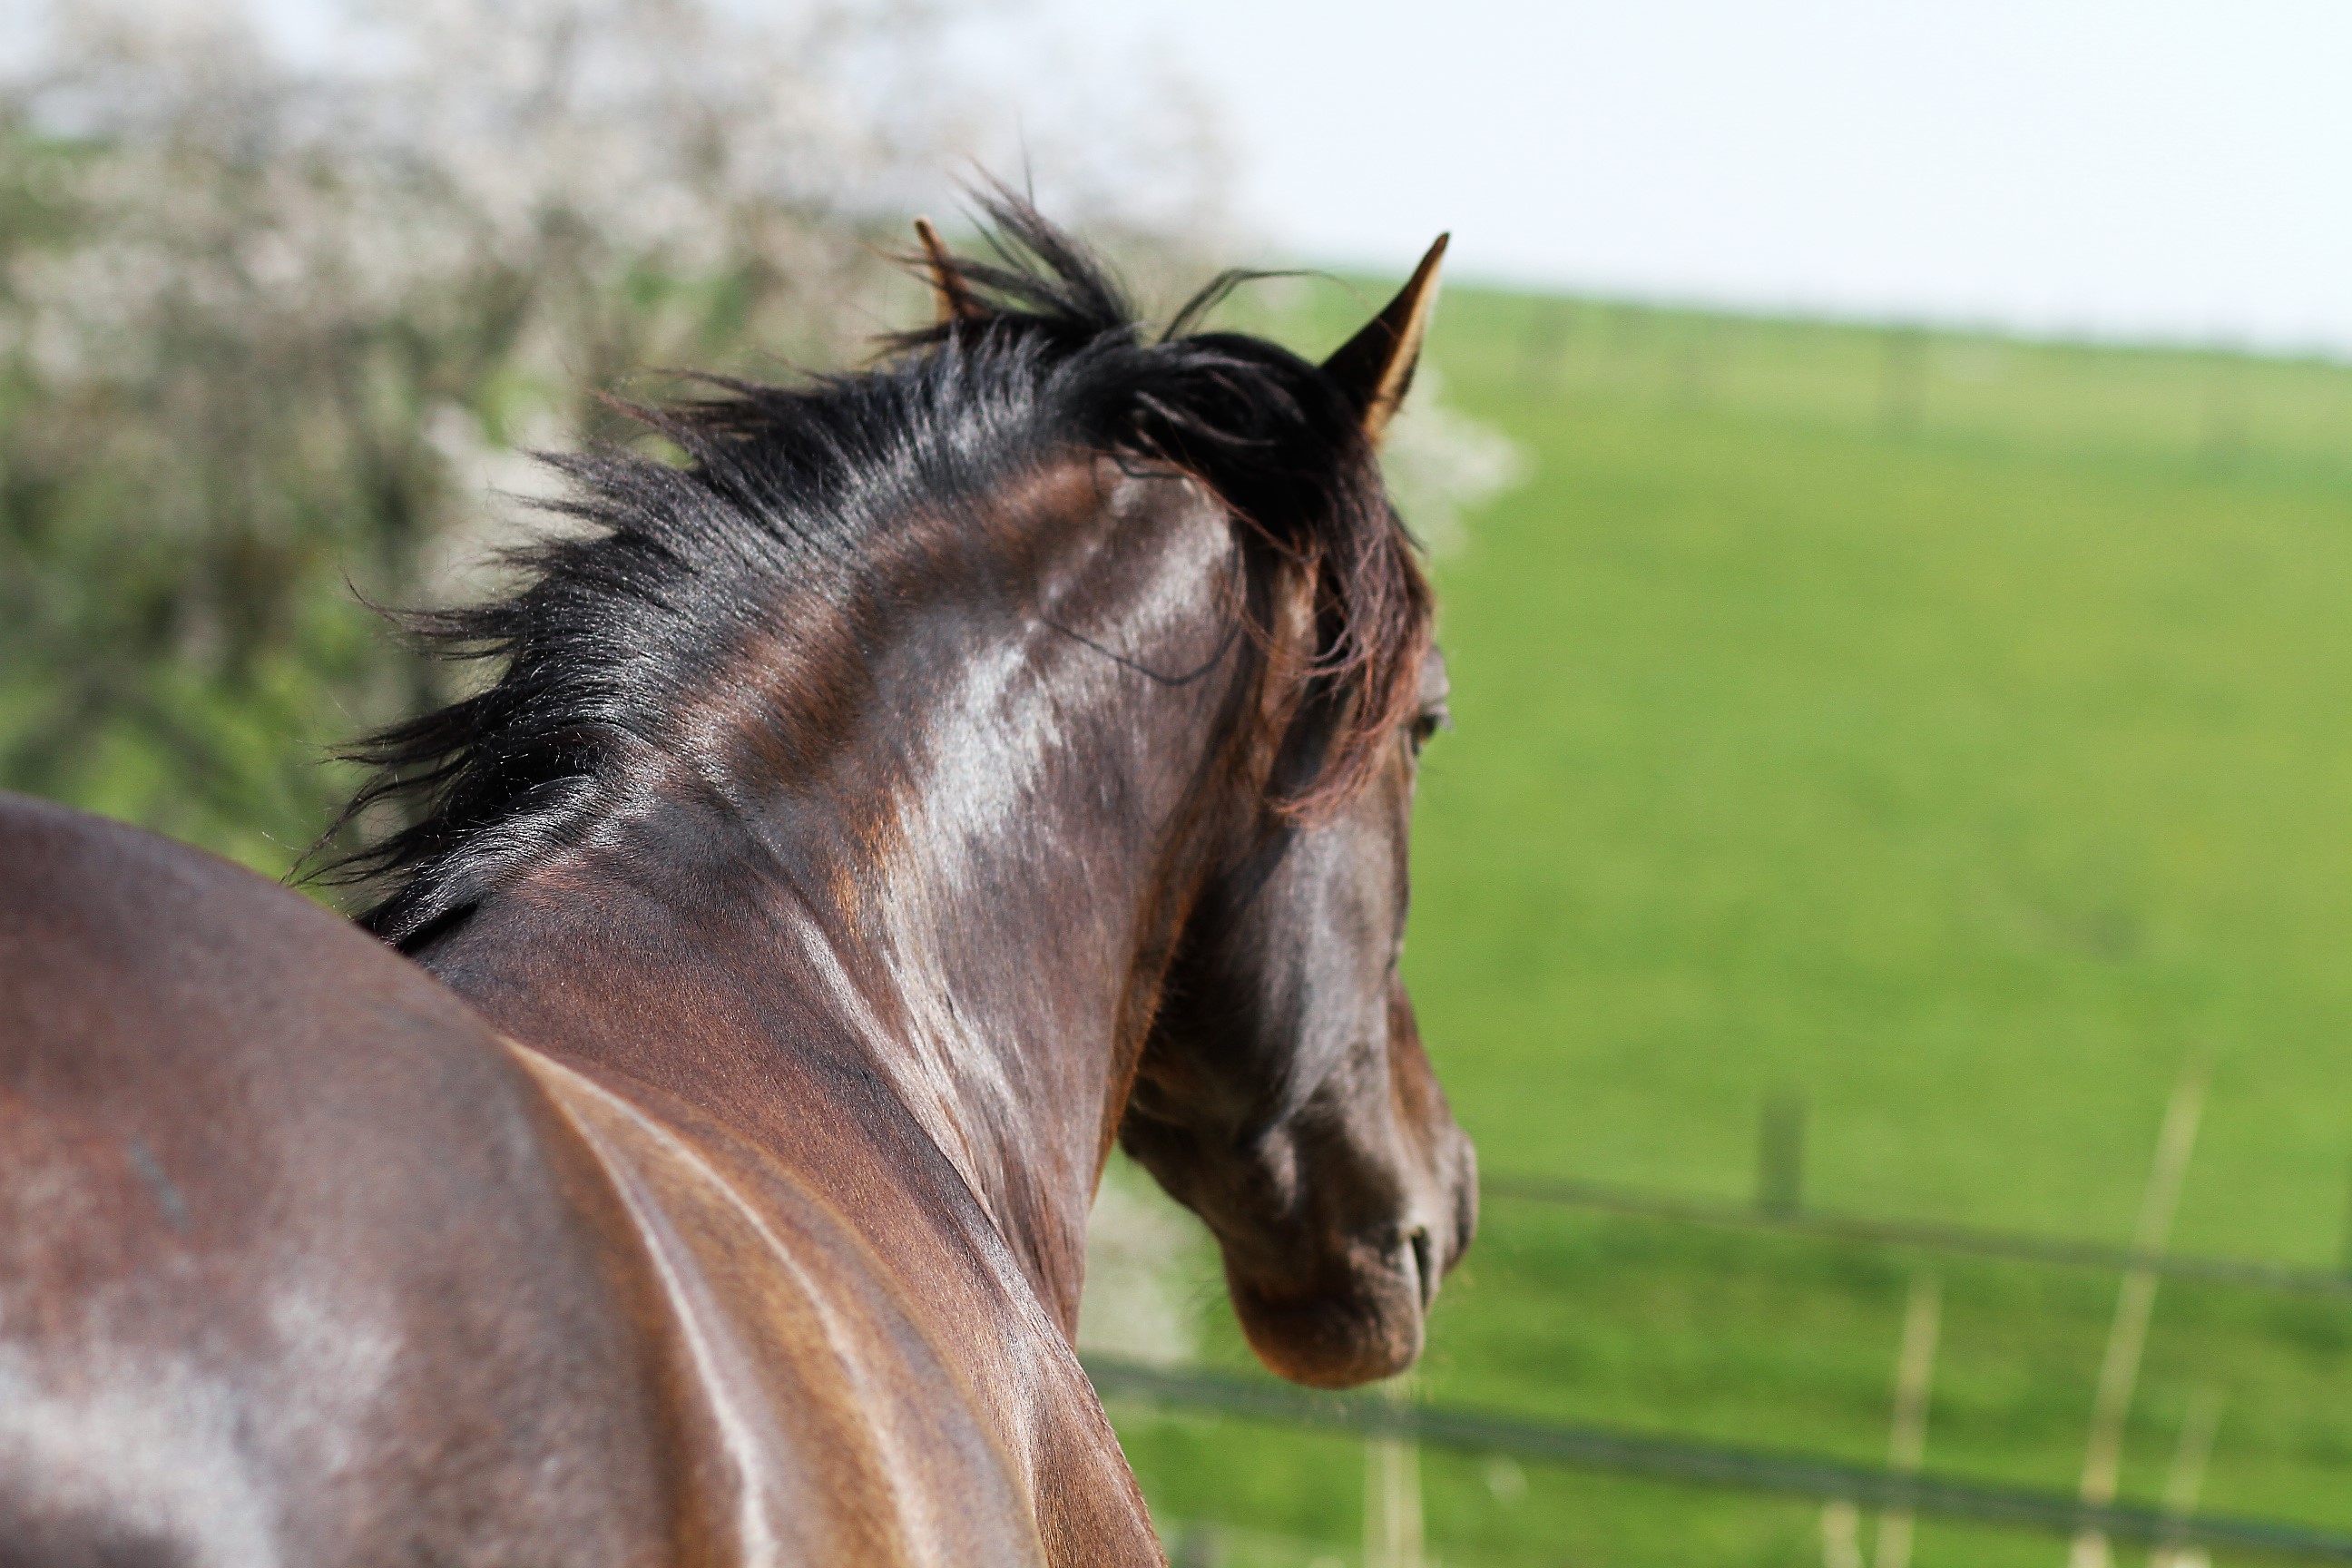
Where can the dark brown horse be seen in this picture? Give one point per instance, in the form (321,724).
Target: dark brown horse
(944,770)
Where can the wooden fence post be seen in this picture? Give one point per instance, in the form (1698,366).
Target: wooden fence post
(1392,1534)
(1914,1375)
(1840,1535)
(1780,1153)
(1901,377)
(2186,1478)
(2344,1263)
(2135,1304)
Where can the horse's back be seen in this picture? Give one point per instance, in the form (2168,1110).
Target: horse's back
(296,1265)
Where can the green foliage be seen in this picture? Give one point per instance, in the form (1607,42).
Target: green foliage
(252,382)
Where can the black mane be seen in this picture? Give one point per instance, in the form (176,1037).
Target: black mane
(786,492)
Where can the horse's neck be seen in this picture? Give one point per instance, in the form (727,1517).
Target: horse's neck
(973,906)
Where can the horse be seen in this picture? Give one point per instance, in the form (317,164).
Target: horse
(876,802)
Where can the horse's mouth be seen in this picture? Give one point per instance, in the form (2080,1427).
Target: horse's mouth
(1358,1323)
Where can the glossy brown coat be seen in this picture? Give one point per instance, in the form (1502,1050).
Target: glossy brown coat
(711,1188)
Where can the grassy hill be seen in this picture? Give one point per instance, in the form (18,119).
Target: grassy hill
(1967,772)
(1954,732)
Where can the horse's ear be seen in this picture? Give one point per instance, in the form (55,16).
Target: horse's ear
(1375,366)
(954,298)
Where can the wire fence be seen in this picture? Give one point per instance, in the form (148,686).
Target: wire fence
(2090,1515)
(1700,1463)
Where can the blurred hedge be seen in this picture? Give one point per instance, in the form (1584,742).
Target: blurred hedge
(275,321)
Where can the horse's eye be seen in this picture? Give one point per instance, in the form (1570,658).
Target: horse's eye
(1428,722)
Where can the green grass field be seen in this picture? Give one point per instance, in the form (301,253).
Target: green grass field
(1966,776)
(1954,731)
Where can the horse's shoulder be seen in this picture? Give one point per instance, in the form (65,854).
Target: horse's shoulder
(842,1430)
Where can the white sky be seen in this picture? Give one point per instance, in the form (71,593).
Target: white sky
(2152,169)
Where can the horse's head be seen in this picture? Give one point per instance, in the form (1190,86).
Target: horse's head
(979,621)
(1284,1095)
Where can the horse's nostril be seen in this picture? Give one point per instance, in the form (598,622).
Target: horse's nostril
(1424,1266)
